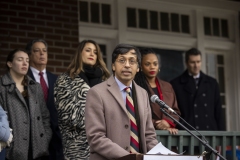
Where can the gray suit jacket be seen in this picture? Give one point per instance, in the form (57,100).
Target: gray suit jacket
(107,121)
(17,109)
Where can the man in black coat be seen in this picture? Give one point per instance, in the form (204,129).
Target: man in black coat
(37,50)
(198,95)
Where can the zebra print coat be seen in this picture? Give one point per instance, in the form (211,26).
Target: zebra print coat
(70,97)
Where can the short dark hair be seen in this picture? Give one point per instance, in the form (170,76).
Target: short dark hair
(190,52)
(145,51)
(29,45)
(123,49)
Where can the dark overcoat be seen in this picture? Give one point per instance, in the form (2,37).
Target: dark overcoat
(36,123)
(200,107)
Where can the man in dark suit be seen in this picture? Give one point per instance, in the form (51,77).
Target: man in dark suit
(109,125)
(37,50)
(198,95)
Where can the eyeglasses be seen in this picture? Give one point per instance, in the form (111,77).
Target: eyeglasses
(131,62)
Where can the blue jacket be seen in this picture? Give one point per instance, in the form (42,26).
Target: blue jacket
(4,126)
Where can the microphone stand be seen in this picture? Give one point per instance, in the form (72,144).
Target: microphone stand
(203,142)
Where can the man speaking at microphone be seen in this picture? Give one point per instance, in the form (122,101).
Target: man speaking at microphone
(118,114)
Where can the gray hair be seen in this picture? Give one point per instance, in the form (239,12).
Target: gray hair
(29,45)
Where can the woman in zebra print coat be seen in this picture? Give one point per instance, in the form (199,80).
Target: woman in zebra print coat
(86,70)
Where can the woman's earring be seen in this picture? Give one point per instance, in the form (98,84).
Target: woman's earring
(158,70)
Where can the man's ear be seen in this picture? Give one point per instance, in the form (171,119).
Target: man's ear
(138,69)
(113,67)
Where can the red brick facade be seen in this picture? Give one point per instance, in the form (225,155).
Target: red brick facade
(56,21)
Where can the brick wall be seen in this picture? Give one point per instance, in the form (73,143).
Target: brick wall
(56,21)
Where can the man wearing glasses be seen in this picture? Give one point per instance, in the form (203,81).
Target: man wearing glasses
(118,115)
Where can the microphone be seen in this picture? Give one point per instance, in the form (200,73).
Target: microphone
(154,98)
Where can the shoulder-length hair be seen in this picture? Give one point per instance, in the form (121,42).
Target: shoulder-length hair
(76,65)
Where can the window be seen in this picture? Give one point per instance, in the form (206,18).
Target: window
(83,11)
(175,22)
(104,52)
(216,27)
(164,21)
(143,18)
(94,12)
(131,17)
(154,20)
(215,68)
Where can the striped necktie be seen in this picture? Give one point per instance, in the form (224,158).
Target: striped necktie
(134,141)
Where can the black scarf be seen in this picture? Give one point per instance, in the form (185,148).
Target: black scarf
(91,75)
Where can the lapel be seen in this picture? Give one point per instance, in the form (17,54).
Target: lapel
(30,74)
(32,91)
(115,92)
(188,84)
(7,81)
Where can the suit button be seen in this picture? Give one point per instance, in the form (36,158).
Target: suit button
(41,135)
(203,94)
(25,138)
(126,126)
(36,102)
(196,116)
(206,115)
(195,105)
(126,148)
(25,122)
(38,118)
(207,127)
(205,104)
(197,127)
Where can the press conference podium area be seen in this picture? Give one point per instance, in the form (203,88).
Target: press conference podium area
(160,157)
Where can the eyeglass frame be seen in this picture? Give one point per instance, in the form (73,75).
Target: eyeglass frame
(123,61)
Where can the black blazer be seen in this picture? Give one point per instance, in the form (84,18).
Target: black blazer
(200,107)
(55,146)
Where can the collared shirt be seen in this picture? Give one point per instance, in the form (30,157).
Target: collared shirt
(37,76)
(197,76)
(122,87)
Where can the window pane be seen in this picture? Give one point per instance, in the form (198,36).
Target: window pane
(103,49)
(83,11)
(175,22)
(142,18)
(207,26)
(103,52)
(224,24)
(131,17)
(153,20)
(221,79)
(185,23)
(215,26)
(95,12)
(106,14)
(164,21)
(220,59)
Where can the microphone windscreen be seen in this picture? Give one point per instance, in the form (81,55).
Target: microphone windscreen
(154,98)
